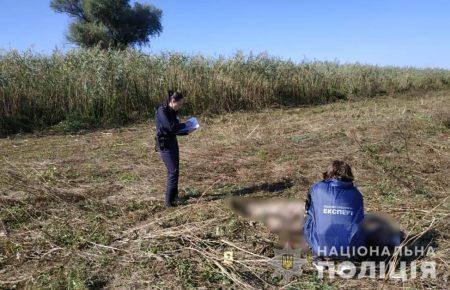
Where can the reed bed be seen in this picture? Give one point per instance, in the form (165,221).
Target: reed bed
(92,87)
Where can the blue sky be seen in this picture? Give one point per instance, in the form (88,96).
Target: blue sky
(384,32)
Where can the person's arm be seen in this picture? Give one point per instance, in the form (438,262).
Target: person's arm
(308,201)
(170,125)
(182,133)
(361,203)
(309,208)
(308,226)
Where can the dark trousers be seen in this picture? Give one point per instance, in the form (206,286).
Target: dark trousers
(171,159)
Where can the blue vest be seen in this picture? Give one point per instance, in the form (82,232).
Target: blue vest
(333,218)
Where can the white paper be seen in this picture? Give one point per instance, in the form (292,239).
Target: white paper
(191,125)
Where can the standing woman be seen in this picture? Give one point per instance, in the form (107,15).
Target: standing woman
(168,126)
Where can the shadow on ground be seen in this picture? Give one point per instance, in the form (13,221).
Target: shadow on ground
(263,187)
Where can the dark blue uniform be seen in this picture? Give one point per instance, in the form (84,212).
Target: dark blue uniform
(168,127)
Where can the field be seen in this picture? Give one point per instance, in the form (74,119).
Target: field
(86,210)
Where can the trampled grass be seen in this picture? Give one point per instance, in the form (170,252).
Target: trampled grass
(86,210)
(93,88)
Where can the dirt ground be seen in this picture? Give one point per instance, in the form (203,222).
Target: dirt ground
(86,210)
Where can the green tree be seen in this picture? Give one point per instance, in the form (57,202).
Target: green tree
(110,23)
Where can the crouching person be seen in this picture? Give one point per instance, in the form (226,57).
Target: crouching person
(334,214)
(336,226)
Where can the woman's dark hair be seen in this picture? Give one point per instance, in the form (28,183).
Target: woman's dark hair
(173,95)
(339,170)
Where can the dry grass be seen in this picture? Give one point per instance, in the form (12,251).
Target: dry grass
(86,211)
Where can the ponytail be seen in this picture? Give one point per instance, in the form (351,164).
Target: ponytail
(173,95)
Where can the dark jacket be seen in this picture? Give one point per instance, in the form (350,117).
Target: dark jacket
(334,212)
(168,126)
(167,122)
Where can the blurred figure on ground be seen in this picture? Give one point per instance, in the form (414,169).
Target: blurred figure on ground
(284,218)
(332,218)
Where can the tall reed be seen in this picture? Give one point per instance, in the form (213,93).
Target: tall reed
(101,88)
